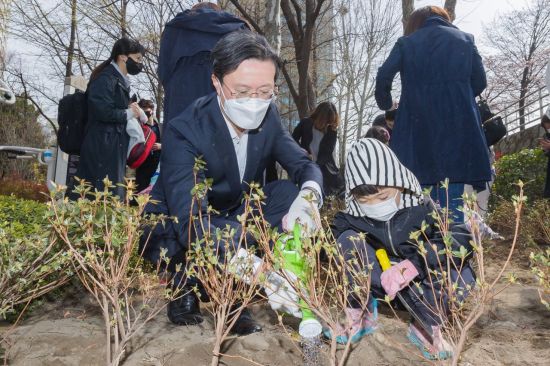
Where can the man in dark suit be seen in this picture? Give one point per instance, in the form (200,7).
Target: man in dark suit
(235,131)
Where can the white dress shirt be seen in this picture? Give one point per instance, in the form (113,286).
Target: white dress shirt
(240,143)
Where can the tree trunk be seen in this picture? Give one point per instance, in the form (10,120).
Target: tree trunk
(301,18)
(450,6)
(333,349)
(107,320)
(524,88)
(302,23)
(272,29)
(408,8)
(70,51)
(220,319)
(4,19)
(123,25)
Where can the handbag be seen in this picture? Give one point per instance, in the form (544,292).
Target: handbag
(141,151)
(494,130)
(493,126)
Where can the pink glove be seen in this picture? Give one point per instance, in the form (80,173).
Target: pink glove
(398,277)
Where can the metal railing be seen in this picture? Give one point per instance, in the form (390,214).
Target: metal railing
(536,104)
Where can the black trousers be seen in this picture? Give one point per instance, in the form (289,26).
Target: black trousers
(145,171)
(279,196)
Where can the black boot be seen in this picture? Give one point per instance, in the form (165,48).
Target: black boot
(245,324)
(186,309)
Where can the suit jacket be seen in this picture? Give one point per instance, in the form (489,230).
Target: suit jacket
(201,131)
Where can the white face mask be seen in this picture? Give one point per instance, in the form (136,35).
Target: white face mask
(246,113)
(382,211)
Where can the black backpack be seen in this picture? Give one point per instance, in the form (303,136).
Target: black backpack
(493,127)
(72,115)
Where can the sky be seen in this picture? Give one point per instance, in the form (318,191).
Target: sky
(471,15)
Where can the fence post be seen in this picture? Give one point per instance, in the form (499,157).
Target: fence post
(506,123)
(540,103)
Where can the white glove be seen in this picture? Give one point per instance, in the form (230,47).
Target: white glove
(281,295)
(305,210)
(244,264)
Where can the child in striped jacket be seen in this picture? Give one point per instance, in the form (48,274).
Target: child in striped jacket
(384,205)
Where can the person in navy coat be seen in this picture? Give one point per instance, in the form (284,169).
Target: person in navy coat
(437,132)
(235,131)
(184,59)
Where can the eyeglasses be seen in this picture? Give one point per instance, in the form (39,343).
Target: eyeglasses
(262,93)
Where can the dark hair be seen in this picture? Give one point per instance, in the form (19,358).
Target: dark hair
(364,190)
(206,5)
(238,46)
(380,120)
(123,46)
(379,133)
(146,103)
(324,116)
(419,16)
(390,115)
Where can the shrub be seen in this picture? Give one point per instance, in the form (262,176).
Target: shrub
(536,224)
(100,234)
(22,188)
(32,262)
(540,265)
(29,268)
(21,218)
(500,218)
(529,166)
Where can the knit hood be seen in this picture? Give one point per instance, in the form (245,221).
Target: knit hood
(371,162)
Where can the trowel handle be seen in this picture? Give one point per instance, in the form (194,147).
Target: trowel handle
(383,259)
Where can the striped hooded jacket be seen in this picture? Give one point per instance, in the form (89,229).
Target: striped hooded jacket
(373,163)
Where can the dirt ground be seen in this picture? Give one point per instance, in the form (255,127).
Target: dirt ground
(514,331)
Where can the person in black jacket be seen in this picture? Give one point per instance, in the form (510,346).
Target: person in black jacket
(386,120)
(384,205)
(146,170)
(105,146)
(317,135)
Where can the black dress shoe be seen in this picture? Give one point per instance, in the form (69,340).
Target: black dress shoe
(185,310)
(245,324)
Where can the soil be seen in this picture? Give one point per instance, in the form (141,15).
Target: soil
(514,331)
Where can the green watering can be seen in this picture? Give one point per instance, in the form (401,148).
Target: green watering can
(289,249)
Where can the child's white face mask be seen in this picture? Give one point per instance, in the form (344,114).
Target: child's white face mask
(382,211)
